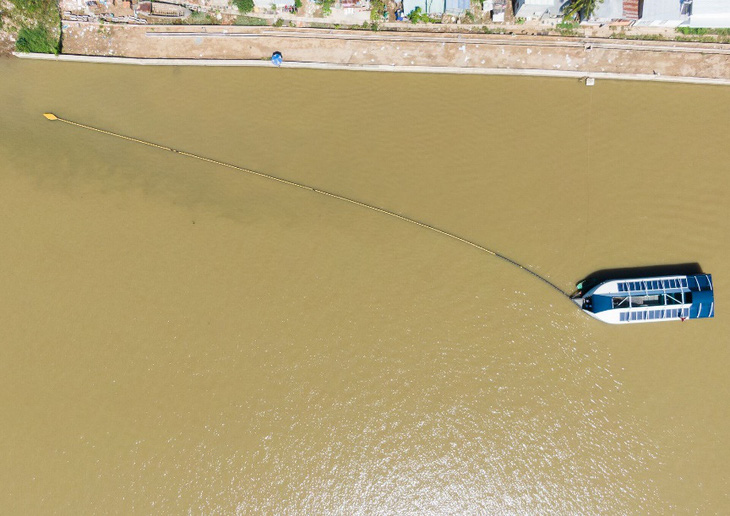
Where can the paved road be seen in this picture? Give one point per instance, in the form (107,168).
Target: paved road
(468,39)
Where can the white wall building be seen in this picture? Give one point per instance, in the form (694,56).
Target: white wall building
(608,10)
(536,9)
(710,14)
(436,7)
(663,13)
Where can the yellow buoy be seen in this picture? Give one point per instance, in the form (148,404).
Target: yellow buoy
(50,116)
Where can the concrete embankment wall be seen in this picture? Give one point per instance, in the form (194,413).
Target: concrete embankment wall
(419,52)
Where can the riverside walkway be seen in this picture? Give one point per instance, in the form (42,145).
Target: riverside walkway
(417,52)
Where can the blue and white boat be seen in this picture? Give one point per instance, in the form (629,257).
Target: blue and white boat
(653,299)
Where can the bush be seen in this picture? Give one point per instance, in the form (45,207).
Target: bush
(279,22)
(245,6)
(417,15)
(376,10)
(37,40)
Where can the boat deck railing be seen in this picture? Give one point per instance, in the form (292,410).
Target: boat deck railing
(647,285)
(652,315)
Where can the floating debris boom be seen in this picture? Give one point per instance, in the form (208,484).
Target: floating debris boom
(52,117)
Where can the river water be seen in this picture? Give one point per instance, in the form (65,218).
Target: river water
(178,337)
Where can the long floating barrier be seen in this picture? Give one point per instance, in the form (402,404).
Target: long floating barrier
(52,117)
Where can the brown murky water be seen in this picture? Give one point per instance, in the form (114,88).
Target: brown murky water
(177,337)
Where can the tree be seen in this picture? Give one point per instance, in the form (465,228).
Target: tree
(580,9)
(245,6)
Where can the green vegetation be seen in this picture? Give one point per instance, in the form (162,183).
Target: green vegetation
(417,15)
(327,7)
(580,9)
(244,6)
(37,39)
(279,22)
(647,37)
(567,28)
(491,30)
(520,21)
(39,23)
(700,31)
(35,7)
(298,4)
(704,39)
(703,35)
(376,10)
(248,20)
(201,18)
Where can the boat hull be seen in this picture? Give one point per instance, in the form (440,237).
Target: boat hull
(650,299)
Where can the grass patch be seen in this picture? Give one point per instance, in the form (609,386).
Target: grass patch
(249,20)
(37,39)
(644,37)
(36,8)
(700,31)
(199,18)
(491,30)
(39,23)
(567,28)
